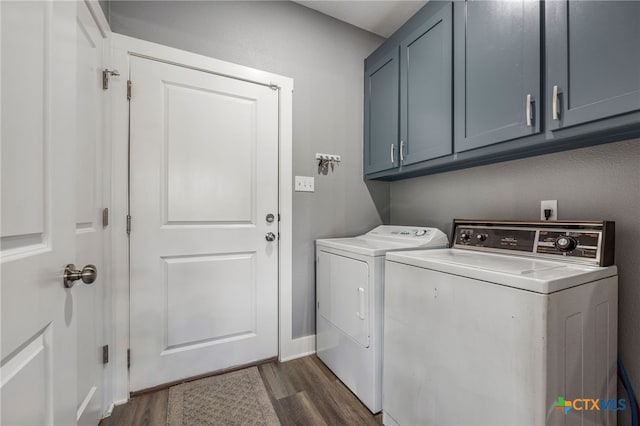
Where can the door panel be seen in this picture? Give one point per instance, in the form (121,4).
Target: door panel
(382,93)
(88,218)
(497,64)
(204,168)
(23,124)
(593,57)
(225,306)
(343,294)
(425,110)
(38,348)
(203,184)
(25,378)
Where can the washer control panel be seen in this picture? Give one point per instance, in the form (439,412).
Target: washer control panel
(583,242)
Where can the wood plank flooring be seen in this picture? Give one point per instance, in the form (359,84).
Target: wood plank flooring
(303,392)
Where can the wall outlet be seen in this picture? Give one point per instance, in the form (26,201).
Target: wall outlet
(305,184)
(549,204)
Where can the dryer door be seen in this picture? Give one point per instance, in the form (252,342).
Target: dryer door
(343,294)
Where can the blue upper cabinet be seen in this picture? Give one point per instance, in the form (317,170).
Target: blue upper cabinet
(461,84)
(497,73)
(593,60)
(426,90)
(381,102)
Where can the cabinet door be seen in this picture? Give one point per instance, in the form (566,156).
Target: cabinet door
(497,71)
(593,60)
(425,90)
(381,114)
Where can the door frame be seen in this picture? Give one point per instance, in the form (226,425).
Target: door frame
(102,23)
(122,48)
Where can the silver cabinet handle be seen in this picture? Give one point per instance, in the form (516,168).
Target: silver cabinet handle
(88,275)
(555,106)
(401,150)
(270,236)
(529,111)
(393,157)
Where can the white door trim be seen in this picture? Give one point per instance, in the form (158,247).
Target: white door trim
(99,17)
(122,47)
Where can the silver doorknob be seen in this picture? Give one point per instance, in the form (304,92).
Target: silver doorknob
(88,275)
(270,236)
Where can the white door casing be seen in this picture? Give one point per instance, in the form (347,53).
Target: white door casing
(38,367)
(122,50)
(204,176)
(88,165)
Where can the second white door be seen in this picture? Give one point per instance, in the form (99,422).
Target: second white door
(204,257)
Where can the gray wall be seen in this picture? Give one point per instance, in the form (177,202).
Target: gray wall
(596,183)
(104,4)
(325,58)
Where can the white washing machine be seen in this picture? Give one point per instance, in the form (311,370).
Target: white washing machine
(349,292)
(496,329)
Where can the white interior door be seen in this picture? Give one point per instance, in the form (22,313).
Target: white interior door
(38,367)
(204,176)
(88,216)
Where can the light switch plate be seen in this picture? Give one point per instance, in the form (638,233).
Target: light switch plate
(305,184)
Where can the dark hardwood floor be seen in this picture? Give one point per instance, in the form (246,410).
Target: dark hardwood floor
(303,392)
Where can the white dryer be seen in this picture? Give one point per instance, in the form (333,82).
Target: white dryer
(504,328)
(349,303)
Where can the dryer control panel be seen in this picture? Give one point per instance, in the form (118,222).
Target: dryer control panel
(580,241)
(404,232)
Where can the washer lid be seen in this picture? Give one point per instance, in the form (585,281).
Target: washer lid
(540,276)
(386,238)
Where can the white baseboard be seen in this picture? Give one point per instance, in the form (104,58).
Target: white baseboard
(300,347)
(109,411)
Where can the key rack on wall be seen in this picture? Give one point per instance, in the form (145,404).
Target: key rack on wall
(325,161)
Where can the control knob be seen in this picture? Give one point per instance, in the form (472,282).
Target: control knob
(481,237)
(566,243)
(464,236)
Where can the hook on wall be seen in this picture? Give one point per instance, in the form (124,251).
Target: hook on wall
(326,160)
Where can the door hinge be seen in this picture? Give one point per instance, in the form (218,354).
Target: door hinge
(105,354)
(106,73)
(128,358)
(128,90)
(128,224)
(278,217)
(105,217)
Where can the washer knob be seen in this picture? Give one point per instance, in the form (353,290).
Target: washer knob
(566,243)
(481,237)
(464,236)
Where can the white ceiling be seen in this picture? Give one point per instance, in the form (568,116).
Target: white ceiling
(381,17)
